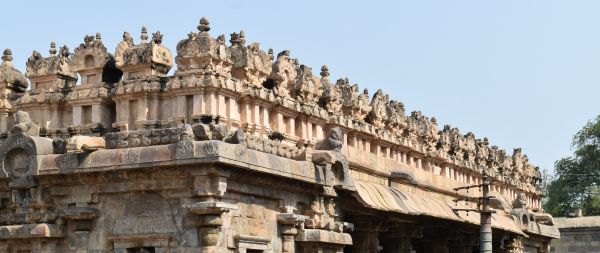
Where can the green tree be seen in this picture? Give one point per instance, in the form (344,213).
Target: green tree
(577,178)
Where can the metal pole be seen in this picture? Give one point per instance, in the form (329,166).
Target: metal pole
(485,233)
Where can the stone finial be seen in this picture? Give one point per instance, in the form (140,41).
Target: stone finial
(144,35)
(98,36)
(204,25)
(270,52)
(242,37)
(7,56)
(157,37)
(324,71)
(52,48)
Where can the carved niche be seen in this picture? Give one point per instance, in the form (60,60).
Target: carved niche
(94,63)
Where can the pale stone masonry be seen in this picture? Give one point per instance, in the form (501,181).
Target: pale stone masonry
(240,150)
(578,234)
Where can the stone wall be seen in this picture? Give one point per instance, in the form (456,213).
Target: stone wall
(577,235)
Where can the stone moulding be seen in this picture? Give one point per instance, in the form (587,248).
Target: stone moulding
(203,152)
(30,231)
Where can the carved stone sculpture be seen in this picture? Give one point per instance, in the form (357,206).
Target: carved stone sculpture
(396,120)
(56,65)
(10,76)
(331,99)
(22,124)
(307,88)
(249,63)
(333,141)
(200,53)
(283,74)
(379,104)
(145,59)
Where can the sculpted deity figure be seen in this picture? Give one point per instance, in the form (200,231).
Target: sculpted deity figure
(250,64)
(161,54)
(482,151)
(307,87)
(378,114)
(364,106)
(283,74)
(127,42)
(444,142)
(331,99)
(33,63)
(349,94)
(458,143)
(517,163)
(396,121)
(431,137)
(470,147)
(493,160)
(64,61)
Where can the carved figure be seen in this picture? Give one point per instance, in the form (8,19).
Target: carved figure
(378,114)
(308,89)
(284,74)
(331,98)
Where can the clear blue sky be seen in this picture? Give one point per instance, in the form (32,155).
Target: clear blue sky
(523,73)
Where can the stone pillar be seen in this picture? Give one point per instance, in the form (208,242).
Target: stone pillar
(289,222)
(198,105)
(77,116)
(234,113)
(266,121)
(366,240)
(222,108)
(3,122)
(211,103)
(210,184)
(80,220)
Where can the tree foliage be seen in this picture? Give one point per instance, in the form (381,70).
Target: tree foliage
(577,178)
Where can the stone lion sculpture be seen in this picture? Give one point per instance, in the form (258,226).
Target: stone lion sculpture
(22,123)
(333,141)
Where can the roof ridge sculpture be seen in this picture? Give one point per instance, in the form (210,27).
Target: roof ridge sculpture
(254,71)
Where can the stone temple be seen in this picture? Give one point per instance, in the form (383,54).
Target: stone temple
(239,150)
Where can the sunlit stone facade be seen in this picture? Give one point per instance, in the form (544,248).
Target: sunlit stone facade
(239,150)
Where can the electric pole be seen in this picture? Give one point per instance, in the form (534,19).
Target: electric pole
(485,213)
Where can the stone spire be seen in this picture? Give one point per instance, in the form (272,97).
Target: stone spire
(144,35)
(7,58)
(324,71)
(204,25)
(52,50)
